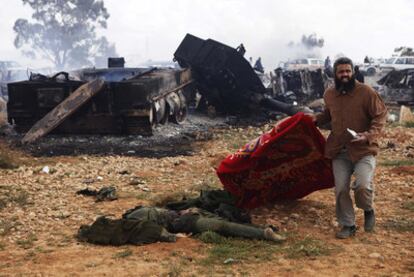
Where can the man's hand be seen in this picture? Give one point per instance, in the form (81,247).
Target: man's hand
(361,137)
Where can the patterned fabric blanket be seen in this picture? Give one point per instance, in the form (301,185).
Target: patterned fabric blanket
(283,164)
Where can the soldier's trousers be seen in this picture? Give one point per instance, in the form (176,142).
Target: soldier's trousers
(227,228)
(363,170)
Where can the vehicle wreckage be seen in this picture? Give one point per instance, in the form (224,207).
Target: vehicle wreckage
(130,101)
(225,79)
(134,100)
(398,86)
(300,86)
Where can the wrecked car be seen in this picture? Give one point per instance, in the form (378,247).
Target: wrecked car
(306,63)
(300,86)
(398,86)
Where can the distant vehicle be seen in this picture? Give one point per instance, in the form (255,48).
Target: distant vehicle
(371,68)
(309,63)
(398,63)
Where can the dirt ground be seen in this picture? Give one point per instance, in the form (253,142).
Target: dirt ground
(40,215)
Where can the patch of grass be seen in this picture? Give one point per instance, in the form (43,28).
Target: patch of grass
(65,240)
(6,226)
(3,203)
(236,249)
(142,196)
(174,270)
(308,247)
(6,162)
(123,254)
(20,198)
(397,162)
(30,255)
(409,206)
(400,225)
(28,242)
(40,249)
(211,237)
(409,124)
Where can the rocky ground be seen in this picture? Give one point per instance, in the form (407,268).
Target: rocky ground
(40,213)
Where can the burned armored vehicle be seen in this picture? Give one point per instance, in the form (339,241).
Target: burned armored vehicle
(131,101)
(398,86)
(224,78)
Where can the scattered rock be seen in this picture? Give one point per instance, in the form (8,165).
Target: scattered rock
(88,181)
(46,169)
(312,210)
(137,181)
(294,216)
(375,255)
(124,172)
(229,261)
(334,223)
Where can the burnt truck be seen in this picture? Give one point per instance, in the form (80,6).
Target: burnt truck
(225,79)
(134,100)
(398,86)
(131,101)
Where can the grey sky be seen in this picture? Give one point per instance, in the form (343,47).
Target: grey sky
(153,29)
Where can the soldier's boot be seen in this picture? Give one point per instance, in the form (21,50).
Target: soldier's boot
(369,221)
(270,235)
(346,232)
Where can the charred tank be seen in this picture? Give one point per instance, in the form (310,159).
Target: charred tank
(132,100)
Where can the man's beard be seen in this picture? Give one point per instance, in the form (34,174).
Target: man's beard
(345,87)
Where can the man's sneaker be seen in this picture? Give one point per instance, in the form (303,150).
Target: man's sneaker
(346,232)
(369,223)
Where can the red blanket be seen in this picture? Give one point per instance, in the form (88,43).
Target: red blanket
(285,163)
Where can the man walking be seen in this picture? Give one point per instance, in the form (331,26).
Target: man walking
(357,115)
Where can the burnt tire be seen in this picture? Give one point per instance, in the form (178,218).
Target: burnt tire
(371,71)
(179,115)
(159,109)
(164,119)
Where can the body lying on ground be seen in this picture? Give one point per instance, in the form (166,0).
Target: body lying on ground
(144,225)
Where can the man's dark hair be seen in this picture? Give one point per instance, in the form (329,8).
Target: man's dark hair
(343,60)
